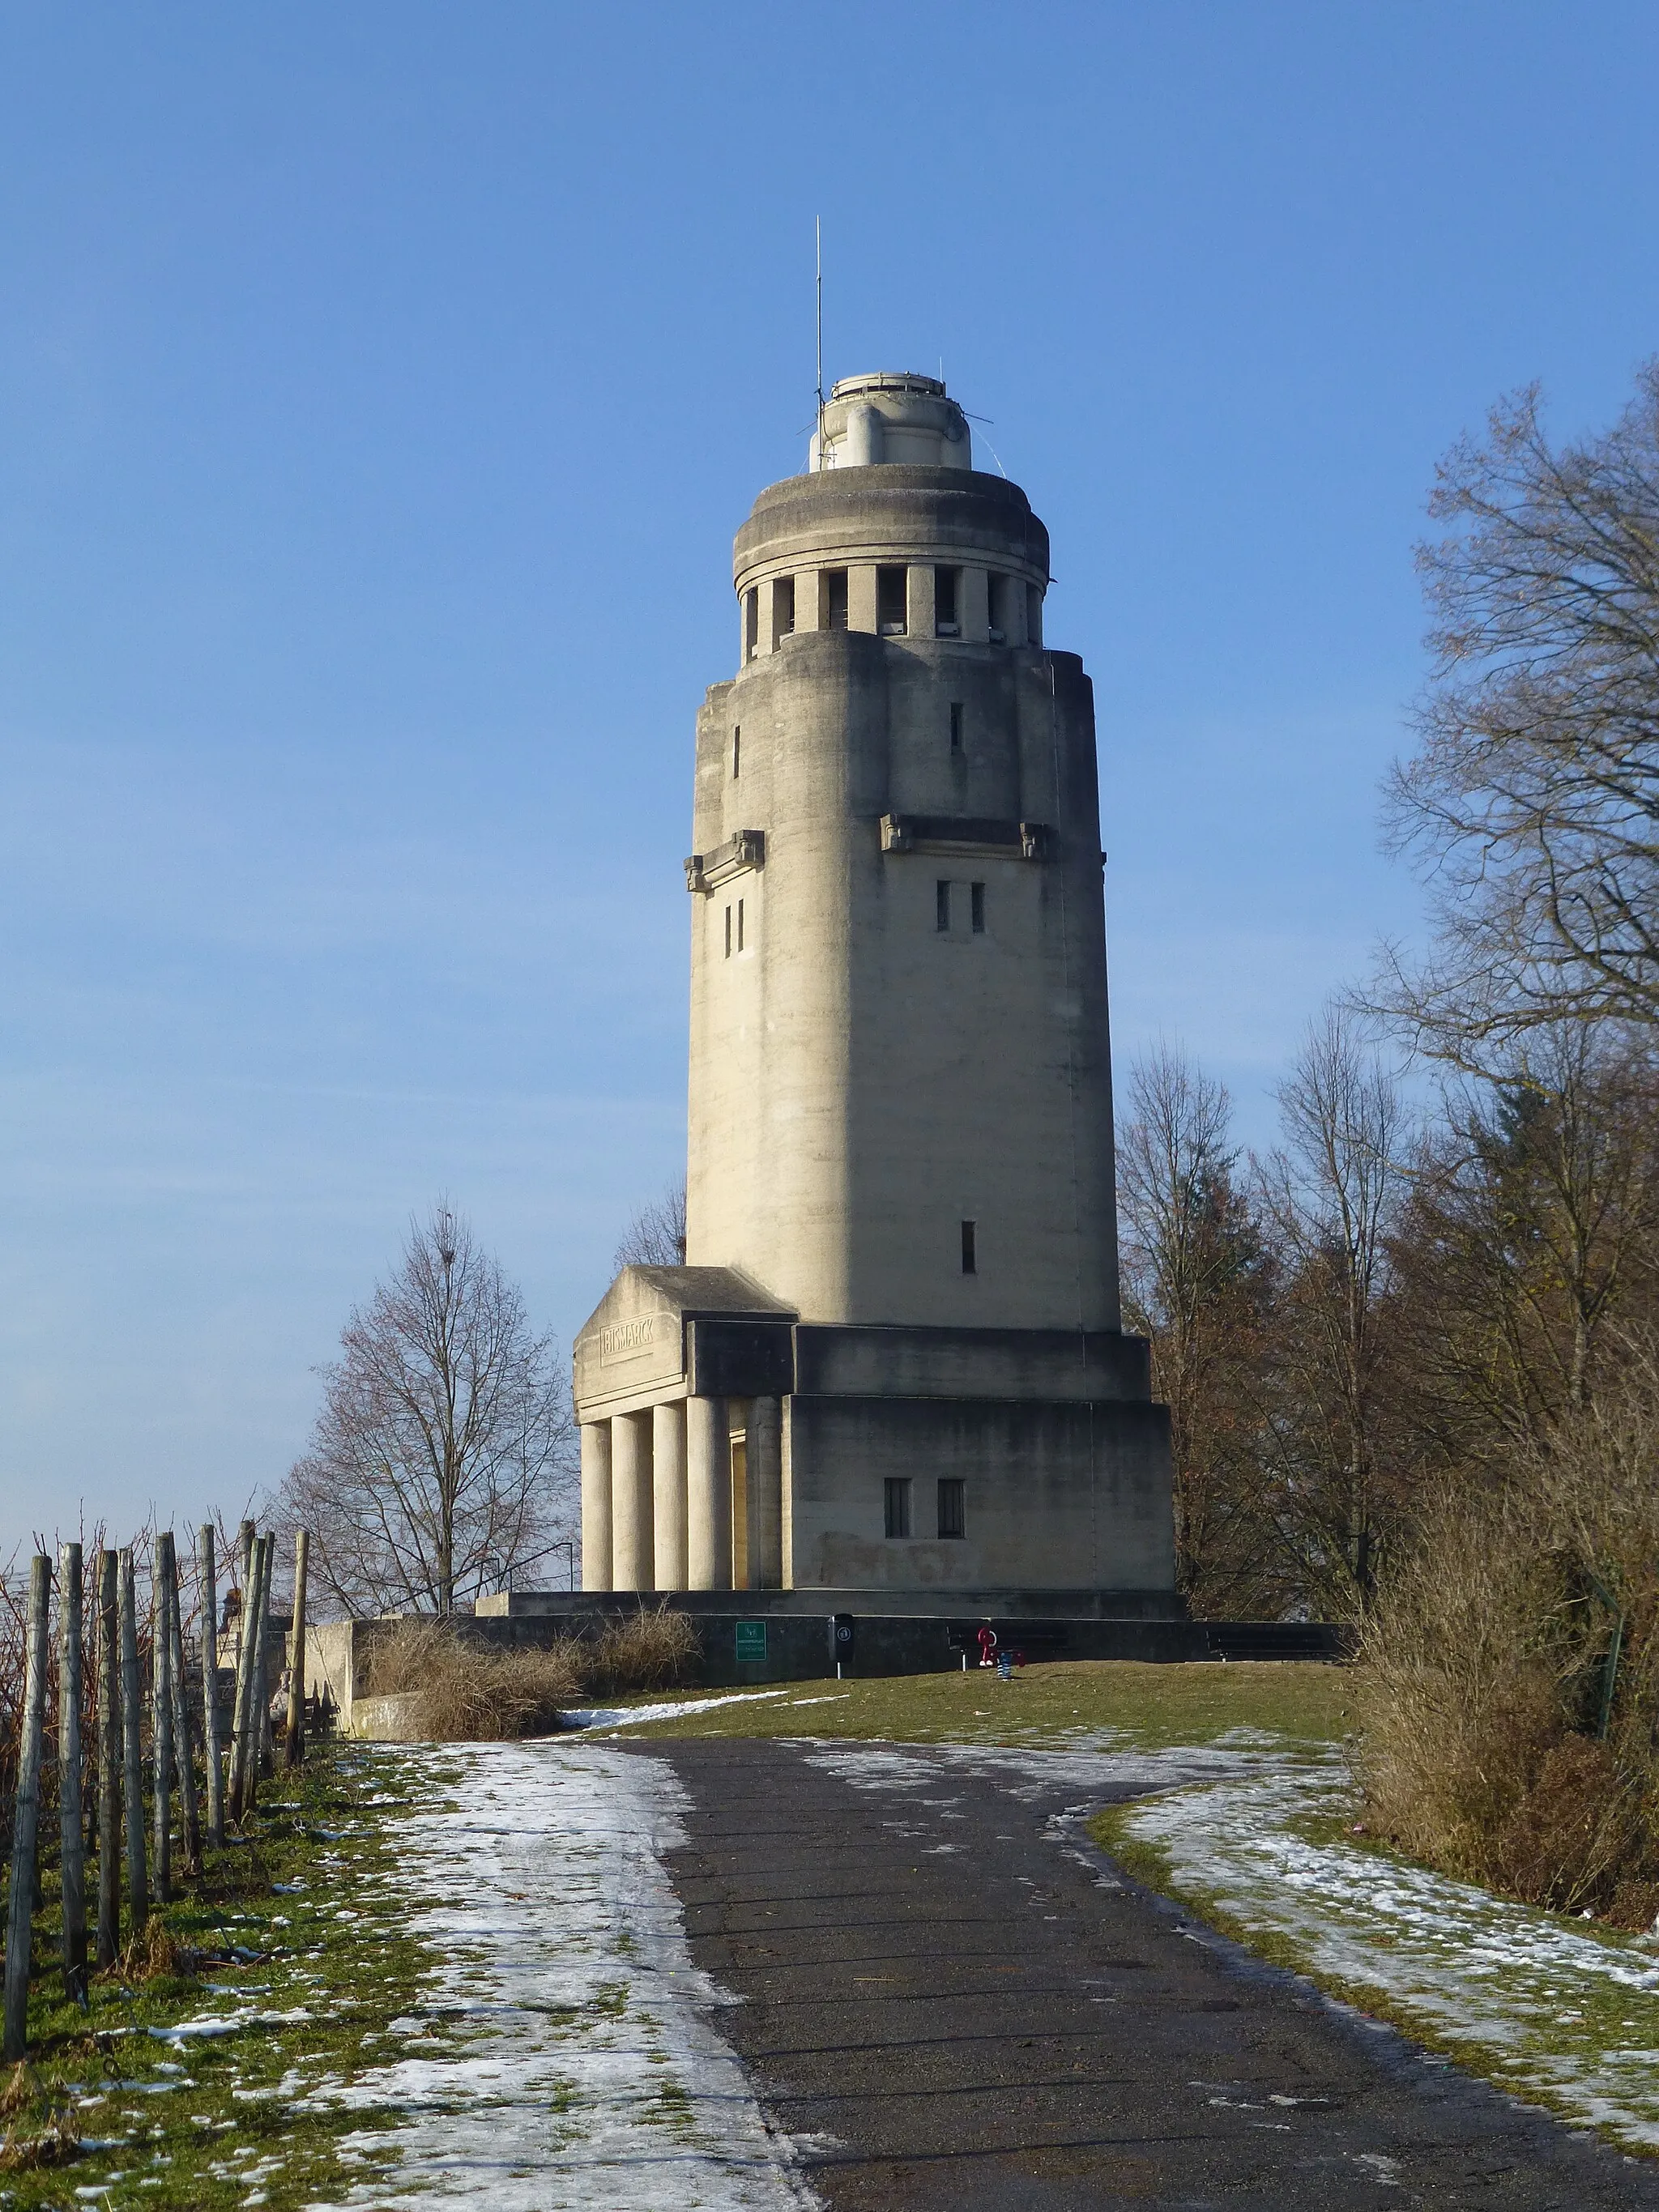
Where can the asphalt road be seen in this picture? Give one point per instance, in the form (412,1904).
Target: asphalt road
(957,2004)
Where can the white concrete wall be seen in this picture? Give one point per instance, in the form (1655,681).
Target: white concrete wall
(862,1083)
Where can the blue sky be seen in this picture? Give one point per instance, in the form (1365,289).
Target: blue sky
(379,389)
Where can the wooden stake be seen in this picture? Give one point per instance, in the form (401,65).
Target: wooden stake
(132,1748)
(266,1738)
(216,1780)
(161,1722)
(26,1819)
(71,1819)
(296,1747)
(245,1761)
(109,1765)
(183,1749)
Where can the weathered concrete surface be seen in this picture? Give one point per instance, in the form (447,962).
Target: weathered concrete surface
(939,1988)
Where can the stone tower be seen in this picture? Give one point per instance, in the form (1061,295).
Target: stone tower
(893,1360)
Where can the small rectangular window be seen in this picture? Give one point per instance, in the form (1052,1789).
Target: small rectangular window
(952,1506)
(946,623)
(739,925)
(889,601)
(728,933)
(976,903)
(942,906)
(737,752)
(970,1247)
(835,599)
(996,610)
(751,623)
(955,726)
(896,1501)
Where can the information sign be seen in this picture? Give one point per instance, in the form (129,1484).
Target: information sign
(751,1642)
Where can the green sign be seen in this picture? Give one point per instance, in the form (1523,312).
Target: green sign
(752,1643)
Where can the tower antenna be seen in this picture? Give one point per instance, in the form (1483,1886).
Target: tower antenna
(817,233)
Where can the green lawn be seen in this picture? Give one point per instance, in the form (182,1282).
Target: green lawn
(204,2122)
(1068,1702)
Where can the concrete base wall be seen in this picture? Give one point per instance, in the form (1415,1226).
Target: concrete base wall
(1059,1495)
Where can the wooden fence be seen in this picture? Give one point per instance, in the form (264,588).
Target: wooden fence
(113,1754)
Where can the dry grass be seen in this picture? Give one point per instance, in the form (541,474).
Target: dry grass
(1490,1748)
(152,1953)
(54,2141)
(643,1650)
(470,1693)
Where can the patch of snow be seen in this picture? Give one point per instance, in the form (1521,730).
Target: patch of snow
(613,1717)
(577,2070)
(1550,2008)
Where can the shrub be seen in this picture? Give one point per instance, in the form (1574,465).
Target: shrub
(467,1692)
(1508,1676)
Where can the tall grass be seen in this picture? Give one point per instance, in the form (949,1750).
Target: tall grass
(466,1692)
(1507,1681)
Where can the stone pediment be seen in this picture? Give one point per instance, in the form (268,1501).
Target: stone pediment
(633,1348)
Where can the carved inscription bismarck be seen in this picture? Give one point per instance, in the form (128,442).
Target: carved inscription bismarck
(627,1339)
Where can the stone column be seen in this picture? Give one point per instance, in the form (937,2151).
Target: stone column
(973,610)
(631,1513)
(860,598)
(668,1494)
(765,1493)
(708,1494)
(921,603)
(596,1505)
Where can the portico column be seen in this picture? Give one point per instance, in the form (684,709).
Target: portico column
(596,1505)
(668,1494)
(631,1565)
(765,1464)
(708,1494)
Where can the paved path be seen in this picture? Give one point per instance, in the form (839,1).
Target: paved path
(952,1999)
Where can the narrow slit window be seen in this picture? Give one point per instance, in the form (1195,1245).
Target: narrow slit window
(955,726)
(737,752)
(970,1247)
(945,621)
(835,599)
(896,1503)
(1033,615)
(889,601)
(952,1506)
(995,609)
(783,607)
(752,621)
(739,925)
(941,906)
(728,933)
(976,907)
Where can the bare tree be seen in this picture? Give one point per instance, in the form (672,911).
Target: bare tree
(1332,1192)
(1196,1283)
(440,1459)
(1532,1225)
(1533,805)
(655,1237)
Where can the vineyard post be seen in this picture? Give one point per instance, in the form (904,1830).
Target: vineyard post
(265,1738)
(132,1745)
(109,1766)
(260,1761)
(295,1748)
(161,1722)
(245,1751)
(216,1780)
(183,1755)
(72,1860)
(27,1817)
